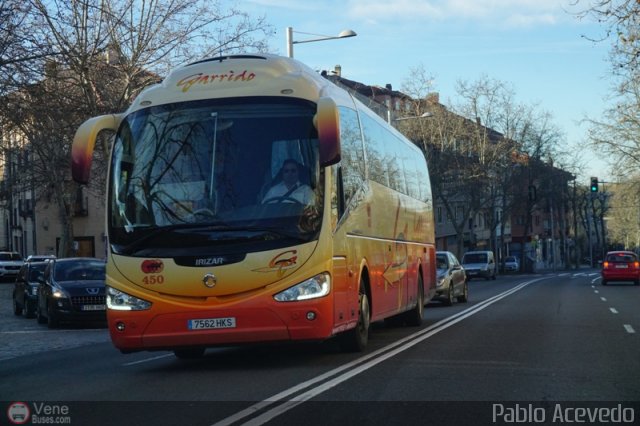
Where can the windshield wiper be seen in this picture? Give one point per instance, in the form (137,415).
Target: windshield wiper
(262,233)
(131,248)
(276,231)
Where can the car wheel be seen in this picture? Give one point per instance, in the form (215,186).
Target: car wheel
(493,277)
(52,320)
(17,308)
(356,339)
(449,300)
(636,282)
(604,282)
(414,316)
(464,297)
(189,353)
(41,318)
(29,311)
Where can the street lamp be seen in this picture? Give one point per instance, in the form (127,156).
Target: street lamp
(291,41)
(423,115)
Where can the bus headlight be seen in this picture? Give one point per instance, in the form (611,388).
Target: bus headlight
(120,301)
(312,288)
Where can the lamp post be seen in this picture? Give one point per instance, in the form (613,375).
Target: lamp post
(291,41)
(423,115)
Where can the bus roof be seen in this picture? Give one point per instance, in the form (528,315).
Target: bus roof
(240,76)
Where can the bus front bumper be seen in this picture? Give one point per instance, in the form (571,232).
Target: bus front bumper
(146,330)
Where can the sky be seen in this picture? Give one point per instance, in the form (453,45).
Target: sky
(538,47)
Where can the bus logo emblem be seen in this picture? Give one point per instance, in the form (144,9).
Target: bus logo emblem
(209,280)
(152,266)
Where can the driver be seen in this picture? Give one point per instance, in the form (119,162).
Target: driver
(290,187)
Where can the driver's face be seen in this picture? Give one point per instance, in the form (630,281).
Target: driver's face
(290,174)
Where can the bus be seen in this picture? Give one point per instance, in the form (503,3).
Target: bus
(207,244)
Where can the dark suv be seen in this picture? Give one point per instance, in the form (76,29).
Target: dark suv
(25,289)
(73,289)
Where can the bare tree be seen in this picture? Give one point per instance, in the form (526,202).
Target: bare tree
(624,217)
(617,133)
(98,55)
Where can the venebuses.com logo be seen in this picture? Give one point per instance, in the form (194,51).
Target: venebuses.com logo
(20,413)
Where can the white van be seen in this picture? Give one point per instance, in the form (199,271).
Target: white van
(479,264)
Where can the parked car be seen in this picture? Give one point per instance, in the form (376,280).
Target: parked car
(10,264)
(479,264)
(39,257)
(25,289)
(620,266)
(72,289)
(511,264)
(451,280)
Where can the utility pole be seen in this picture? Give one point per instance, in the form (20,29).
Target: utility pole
(553,237)
(589,219)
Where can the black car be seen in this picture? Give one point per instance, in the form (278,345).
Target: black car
(73,289)
(25,289)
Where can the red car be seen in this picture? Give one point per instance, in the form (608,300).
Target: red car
(621,266)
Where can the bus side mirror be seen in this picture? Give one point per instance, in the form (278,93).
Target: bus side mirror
(84,143)
(327,122)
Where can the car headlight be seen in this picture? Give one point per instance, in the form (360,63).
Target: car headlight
(312,288)
(120,301)
(58,293)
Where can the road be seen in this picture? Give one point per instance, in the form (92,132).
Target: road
(524,345)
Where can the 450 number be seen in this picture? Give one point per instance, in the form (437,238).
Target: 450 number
(153,279)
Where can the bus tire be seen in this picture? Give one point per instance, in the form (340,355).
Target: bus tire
(414,316)
(356,339)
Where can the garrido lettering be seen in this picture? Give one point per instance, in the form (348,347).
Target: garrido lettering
(205,79)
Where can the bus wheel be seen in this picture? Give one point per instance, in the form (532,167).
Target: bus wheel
(414,316)
(189,353)
(356,339)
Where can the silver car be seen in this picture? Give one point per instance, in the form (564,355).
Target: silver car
(511,264)
(451,279)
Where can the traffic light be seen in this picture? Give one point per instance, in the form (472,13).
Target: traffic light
(594,184)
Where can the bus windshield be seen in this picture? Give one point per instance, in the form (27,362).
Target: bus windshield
(202,173)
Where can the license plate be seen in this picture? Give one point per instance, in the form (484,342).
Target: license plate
(211,323)
(93,307)
(622,266)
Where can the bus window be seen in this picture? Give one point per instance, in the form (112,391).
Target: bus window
(353,161)
(374,136)
(205,161)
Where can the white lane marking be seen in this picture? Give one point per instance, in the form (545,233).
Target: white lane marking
(596,291)
(604,299)
(629,329)
(147,360)
(49,331)
(613,310)
(564,274)
(355,367)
